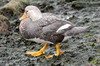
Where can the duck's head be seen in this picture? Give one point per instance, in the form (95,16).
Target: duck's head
(31,12)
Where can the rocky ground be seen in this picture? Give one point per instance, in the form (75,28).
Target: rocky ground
(80,50)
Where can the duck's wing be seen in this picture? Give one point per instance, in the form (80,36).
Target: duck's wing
(52,30)
(59,28)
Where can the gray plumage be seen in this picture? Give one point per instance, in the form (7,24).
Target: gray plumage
(46,28)
(77,30)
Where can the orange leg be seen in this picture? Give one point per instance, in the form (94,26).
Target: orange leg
(58,52)
(40,52)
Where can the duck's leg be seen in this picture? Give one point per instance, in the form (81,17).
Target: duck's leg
(40,52)
(58,52)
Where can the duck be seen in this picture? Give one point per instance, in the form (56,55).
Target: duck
(46,28)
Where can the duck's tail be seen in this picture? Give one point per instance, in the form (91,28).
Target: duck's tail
(77,30)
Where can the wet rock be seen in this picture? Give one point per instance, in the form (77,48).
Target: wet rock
(4,24)
(13,8)
(80,50)
(83,4)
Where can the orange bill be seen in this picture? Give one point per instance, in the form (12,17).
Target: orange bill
(24,16)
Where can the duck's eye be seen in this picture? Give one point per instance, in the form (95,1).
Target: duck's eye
(26,11)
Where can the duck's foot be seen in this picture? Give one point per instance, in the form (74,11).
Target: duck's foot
(58,52)
(40,52)
(34,53)
(50,56)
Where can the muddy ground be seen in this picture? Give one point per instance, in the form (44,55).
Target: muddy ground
(80,50)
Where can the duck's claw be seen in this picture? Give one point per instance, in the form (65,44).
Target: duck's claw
(50,56)
(60,53)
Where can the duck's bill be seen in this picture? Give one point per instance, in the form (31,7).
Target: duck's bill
(24,16)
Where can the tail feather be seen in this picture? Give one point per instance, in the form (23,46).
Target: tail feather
(77,30)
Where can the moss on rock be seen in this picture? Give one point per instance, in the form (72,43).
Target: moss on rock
(14,7)
(4,24)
